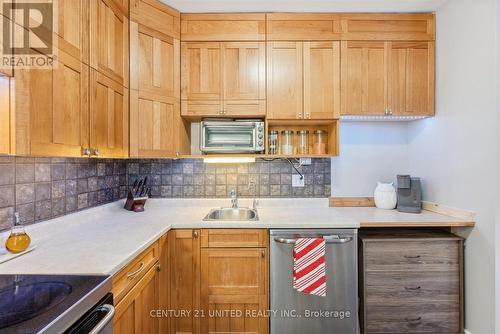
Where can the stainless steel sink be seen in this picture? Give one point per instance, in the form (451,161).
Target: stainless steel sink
(236,214)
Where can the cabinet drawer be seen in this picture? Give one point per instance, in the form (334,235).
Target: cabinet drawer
(405,288)
(412,255)
(233,238)
(126,279)
(420,318)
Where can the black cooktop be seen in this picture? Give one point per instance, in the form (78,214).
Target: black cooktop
(44,303)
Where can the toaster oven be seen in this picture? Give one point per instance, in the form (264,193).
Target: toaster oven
(232,136)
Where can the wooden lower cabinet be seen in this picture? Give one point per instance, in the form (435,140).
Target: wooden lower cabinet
(411,283)
(233,290)
(219,276)
(133,312)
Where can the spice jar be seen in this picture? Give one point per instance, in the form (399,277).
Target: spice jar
(273,142)
(303,146)
(287,142)
(319,145)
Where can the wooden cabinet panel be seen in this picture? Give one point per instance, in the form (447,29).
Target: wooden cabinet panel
(284,80)
(72,28)
(128,277)
(109,33)
(51,123)
(411,78)
(303,27)
(164,283)
(5,115)
(230,238)
(223,27)
(227,285)
(244,70)
(133,312)
(155,62)
(108,117)
(156,16)
(185,282)
(153,125)
(364,78)
(321,80)
(201,71)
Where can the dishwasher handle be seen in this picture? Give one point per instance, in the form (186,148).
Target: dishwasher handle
(110,311)
(330,239)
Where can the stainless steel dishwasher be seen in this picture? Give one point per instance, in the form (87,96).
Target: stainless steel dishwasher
(297,313)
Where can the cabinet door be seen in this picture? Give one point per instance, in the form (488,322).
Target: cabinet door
(364,78)
(411,78)
(152,125)
(133,312)
(284,80)
(244,81)
(5,115)
(233,280)
(155,62)
(321,80)
(201,71)
(109,35)
(185,282)
(57,104)
(108,117)
(72,28)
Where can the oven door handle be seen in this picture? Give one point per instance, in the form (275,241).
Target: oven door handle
(110,310)
(330,239)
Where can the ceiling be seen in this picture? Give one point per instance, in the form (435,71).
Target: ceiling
(220,6)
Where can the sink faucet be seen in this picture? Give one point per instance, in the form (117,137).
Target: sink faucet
(234,199)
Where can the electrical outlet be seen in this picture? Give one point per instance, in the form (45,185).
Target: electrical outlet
(297,182)
(305,161)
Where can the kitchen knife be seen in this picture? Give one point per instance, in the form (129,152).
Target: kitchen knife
(139,187)
(134,186)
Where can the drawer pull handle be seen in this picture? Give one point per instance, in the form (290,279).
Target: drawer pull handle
(134,273)
(413,319)
(412,257)
(412,288)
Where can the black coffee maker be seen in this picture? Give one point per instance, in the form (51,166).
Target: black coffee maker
(409,194)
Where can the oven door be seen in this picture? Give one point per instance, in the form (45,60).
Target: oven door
(228,137)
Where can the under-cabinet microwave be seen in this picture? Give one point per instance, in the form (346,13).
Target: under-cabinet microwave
(232,136)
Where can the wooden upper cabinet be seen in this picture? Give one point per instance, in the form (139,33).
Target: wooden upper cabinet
(109,39)
(155,62)
(156,16)
(48,122)
(227,285)
(321,80)
(303,80)
(388,78)
(72,28)
(133,311)
(223,27)
(364,78)
(109,133)
(303,27)
(411,78)
(5,115)
(185,283)
(201,71)
(284,80)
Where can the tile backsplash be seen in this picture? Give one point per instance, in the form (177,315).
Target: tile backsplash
(189,178)
(45,188)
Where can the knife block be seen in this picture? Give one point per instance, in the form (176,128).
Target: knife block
(135,204)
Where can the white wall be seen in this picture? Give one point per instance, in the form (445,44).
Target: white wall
(369,152)
(455,152)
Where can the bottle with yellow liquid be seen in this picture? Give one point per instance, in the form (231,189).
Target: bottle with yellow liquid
(18,241)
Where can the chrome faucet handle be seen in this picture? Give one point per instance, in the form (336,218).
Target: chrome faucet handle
(255,203)
(234,199)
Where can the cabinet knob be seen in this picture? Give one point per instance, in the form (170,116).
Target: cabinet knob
(390,112)
(95,152)
(308,115)
(386,111)
(263,253)
(300,115)
(195,234)
(86,152)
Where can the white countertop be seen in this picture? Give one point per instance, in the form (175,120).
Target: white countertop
(104,239)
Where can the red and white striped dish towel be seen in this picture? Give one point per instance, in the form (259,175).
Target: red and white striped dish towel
(309,274)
